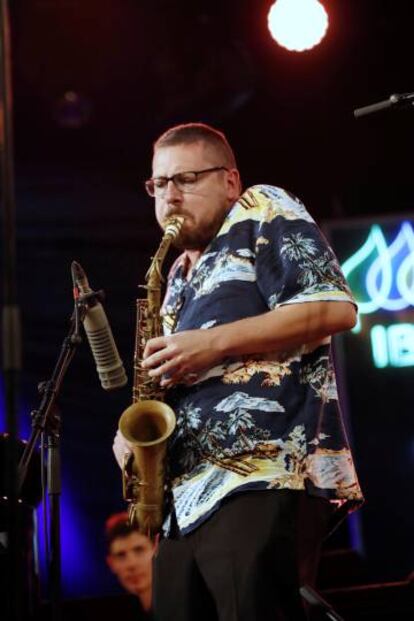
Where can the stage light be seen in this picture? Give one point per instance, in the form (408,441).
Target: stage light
(72,110)
(297,25)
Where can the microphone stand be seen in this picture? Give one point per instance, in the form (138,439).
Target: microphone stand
(46,420)
(319,608)
(396,101)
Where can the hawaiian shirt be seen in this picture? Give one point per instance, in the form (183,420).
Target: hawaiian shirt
(259,421)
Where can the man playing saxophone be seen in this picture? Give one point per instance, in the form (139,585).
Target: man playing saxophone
(259,460)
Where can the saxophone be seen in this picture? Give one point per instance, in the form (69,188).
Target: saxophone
(148,422)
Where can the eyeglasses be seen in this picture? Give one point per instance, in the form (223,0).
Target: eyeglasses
(183,181)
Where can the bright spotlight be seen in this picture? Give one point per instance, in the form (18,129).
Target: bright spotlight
(297,25)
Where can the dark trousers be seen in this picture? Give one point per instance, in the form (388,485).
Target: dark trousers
(245,563)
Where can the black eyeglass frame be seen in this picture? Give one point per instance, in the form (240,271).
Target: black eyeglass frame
(149,184)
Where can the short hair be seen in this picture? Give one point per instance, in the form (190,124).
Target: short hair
(189,133)
(118,525)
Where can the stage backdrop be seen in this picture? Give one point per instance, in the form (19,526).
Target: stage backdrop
(103,221)
(376,364)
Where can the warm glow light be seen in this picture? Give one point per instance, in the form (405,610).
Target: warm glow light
(297,24)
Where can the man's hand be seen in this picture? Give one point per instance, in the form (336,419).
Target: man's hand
(184,354)
(181,356)
(121,448)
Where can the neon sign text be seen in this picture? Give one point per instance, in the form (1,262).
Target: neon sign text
(393,345)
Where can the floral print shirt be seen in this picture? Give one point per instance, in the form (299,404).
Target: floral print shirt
(268,420)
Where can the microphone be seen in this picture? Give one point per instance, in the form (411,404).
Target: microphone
(98,331)
(396,100)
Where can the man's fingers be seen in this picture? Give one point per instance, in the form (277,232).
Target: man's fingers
(154,345)
(121,448)
(168,366)
(157,358)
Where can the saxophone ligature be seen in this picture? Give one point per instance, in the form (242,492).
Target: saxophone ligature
(148,422)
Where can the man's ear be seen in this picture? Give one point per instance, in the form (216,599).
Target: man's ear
(233,184)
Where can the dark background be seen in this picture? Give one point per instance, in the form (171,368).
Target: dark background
(136,68)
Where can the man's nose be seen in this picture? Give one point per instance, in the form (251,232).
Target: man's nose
(130,561)
(172,193)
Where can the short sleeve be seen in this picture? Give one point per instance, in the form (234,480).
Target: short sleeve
(294,262)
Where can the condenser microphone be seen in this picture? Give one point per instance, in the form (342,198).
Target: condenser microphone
(98,331)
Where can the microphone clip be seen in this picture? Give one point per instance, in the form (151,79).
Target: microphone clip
(90,299)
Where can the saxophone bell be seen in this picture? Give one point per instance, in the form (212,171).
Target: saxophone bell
(146,425)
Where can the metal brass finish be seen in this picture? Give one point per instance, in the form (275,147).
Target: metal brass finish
(148,422)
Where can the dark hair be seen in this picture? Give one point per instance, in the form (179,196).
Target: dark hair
(190,133)
(117,525)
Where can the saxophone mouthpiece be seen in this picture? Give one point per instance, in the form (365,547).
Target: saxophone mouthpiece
(172,226)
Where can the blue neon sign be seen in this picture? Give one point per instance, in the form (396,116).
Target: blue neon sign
(381,275)
(393,345)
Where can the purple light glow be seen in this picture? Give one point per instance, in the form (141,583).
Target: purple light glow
(76,573)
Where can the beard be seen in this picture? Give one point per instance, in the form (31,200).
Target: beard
(198,239)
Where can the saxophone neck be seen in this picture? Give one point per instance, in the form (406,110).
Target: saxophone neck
(154,278)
